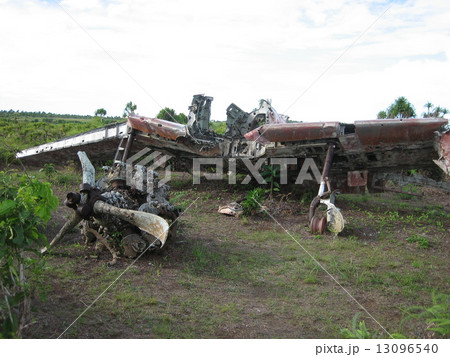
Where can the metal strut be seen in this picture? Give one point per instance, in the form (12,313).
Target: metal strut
(334,217)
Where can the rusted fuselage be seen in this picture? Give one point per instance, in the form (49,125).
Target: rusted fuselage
(391,144)
(359,148)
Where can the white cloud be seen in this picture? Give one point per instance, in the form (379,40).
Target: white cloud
(236,51)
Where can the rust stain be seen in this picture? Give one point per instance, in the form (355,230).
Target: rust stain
(443,149)
(294,132)
(163,128)
(357,178)
(386,133)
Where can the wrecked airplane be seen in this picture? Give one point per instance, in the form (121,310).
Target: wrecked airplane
(352,157)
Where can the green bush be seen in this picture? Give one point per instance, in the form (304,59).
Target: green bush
(253,201)
(25,206)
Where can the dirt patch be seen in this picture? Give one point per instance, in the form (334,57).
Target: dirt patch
(225,277)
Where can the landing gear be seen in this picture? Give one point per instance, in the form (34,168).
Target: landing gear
(333,220)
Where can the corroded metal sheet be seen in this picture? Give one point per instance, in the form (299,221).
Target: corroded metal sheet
(350,143)
(163,128)
(389,133)
(442,146)
(294,132)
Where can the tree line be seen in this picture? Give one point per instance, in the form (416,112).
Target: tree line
(402,108)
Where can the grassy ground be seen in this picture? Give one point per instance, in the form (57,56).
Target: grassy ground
(224,277)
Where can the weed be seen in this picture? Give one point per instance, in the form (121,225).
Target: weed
(49,171)
(423,242)
(180,199)
(359,330)
(66,179)
(253,200)
(437,316)
(307,197)
(271,174)
(311,278)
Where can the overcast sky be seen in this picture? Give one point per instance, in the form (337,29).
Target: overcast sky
(316,60)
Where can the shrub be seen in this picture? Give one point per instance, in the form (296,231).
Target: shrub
(25,206)
(253,200)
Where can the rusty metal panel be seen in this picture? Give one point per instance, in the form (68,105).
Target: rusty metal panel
(387,133)
(294,132)
(357,178)
(163,128)
(442,145)
(350,143)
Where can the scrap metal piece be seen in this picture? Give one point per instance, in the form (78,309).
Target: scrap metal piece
(103,240)
(199,114)
(240,122)
(357,178)
(442,146)
(233,209)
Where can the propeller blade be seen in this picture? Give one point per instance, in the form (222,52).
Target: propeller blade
(72,222)
(147,222)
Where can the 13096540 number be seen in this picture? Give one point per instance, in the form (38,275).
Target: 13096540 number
(407,348)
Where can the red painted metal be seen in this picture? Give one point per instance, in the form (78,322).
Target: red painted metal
(443,149)
(387,133)
(163,128)
(294,132)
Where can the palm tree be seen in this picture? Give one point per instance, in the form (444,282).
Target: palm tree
(428,105)
(437,112)
(129,108)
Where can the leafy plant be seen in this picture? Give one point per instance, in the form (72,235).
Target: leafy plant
(359,330)
(25,205)
(253,200)
(421,241)
(49,171)
(437,316)
(271,174)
